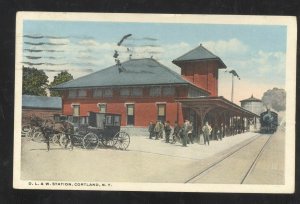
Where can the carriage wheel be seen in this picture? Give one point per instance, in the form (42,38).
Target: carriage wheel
(122,140)
(63,140)
(108,141)
(25,130)
(38,136)
(90,141)
(56,138)
(30,133)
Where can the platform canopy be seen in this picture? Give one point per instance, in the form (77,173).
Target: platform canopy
(217,104)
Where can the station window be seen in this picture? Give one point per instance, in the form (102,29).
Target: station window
(124,92)
(109,120)
(155,91)
(76,110)
(168,91)
(72,93)
(137,91)
(107,93)
(102,107)
(161,112)
(97,93)
(117,120)
(82,93)
(130,114)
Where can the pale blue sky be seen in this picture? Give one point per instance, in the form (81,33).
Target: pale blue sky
(256,52)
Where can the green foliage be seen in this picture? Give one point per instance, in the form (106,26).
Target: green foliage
(275,99)
(35,82)
(62,77)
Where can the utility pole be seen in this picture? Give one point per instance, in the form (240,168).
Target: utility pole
(233,74)
(232,87)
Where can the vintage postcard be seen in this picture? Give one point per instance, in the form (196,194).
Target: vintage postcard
(155,102)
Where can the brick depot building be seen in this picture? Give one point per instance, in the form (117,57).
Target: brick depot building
(146,90)
(41,106)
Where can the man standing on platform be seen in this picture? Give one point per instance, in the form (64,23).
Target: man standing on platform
(167,131)
(176,133)
(151,129)
(156,130)
(206,132)
(190,133)
(185,132)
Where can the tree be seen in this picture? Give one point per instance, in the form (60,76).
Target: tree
(62,77)
(275,99)
(35,82)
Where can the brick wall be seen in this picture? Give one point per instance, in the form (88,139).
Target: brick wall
(42,113)
(145,108)
(203,74)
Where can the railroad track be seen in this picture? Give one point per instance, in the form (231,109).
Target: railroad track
(235,166)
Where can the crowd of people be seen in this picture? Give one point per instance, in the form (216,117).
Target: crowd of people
(185,134)
(180,134)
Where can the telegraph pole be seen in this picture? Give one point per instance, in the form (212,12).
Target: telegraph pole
(232,87)
(233,74)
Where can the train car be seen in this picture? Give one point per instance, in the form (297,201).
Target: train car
(268,122)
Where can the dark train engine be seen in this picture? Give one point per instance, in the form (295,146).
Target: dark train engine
(268,122)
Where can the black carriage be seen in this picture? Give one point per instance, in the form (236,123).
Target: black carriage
(97,129)
(268,122)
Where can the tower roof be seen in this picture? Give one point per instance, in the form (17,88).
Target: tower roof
(251,99)
(199,53)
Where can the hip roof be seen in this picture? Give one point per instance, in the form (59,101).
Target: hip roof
(146,71)
(200,53)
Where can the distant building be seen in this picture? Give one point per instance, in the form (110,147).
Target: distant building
(253,104)
(41,106)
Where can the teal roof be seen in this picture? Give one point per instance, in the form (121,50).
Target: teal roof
(198,54)
(44,102)
(145,71)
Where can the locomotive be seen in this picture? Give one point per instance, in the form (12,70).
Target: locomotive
(268,122)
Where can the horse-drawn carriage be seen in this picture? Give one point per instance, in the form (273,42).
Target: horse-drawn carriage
(90,131)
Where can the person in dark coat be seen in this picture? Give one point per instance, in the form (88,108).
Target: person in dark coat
(161,129)
(47,129)
(176,136)
(190,133)
(151,130)
(167,131)
(185,133)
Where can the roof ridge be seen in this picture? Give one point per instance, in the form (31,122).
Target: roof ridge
(187,53)
(199,46)
(208,50)
(137,59)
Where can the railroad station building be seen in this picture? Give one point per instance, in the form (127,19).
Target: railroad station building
(145,90)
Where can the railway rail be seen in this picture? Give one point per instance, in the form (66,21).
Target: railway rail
(235,166)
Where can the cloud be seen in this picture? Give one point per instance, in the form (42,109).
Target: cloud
(226,47)
(59,40)
(270,62)
(88,42)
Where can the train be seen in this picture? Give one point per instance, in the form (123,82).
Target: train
(268,122)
